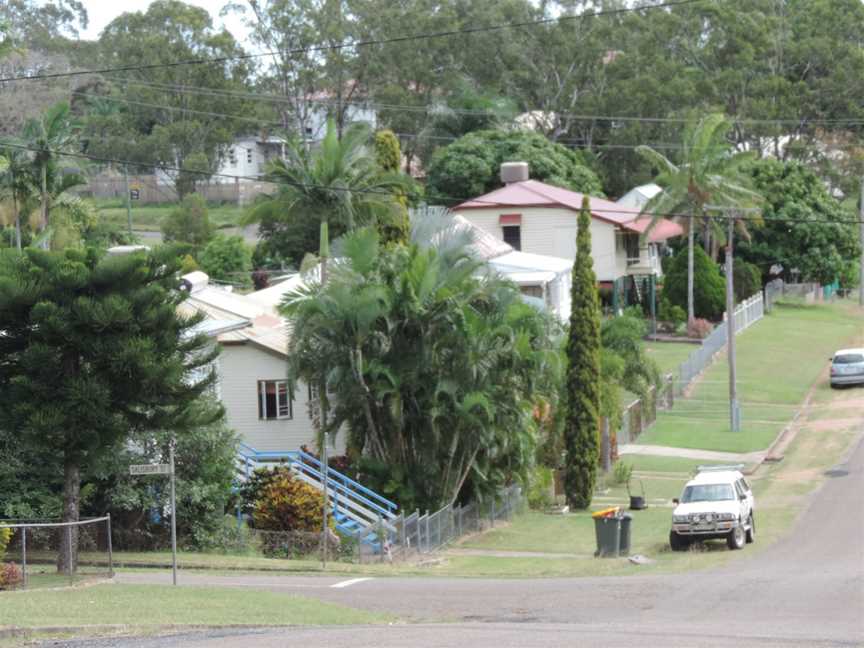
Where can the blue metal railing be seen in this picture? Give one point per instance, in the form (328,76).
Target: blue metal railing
(384,503)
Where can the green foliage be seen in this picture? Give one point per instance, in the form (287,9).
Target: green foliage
(470,166)
(188,223)
(582,384)
(339,183)
(709,289)
(747,280)
(672,313)
(286,503)
(434,369)
(227,258)
(811,236)
(621,473)
(188,264)
(540,488)
(196,168)
(387,151)
(94,351)
(624,336)
(5,537)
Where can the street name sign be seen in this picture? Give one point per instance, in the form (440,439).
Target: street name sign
(150,469)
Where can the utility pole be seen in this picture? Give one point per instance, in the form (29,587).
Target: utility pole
(324,252)
(731,214)
(861,239)
(128,197)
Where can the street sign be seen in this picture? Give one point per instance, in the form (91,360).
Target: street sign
(150,469)
(134,194)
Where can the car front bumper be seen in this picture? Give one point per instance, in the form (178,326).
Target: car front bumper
(850,379)
(706,531)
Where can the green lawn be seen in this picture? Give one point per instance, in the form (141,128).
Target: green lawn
(649,463)
(149,217)
(669,355)
(779,359)
(155,605)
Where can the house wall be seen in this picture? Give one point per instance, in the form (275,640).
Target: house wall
(552,232)
(241,366)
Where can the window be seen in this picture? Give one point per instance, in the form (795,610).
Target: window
(707,493)
(532,291)
(232,157)
(274,400)
(513,236)
(249,156)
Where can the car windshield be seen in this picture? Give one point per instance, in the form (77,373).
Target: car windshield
(848,358)
(707,493)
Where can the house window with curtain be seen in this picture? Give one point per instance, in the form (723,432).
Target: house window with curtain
(274,400)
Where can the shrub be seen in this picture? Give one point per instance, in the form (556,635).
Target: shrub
(227,258)
(188,223)
(10,576)
(622,472)
(5,537)
(709,287)
(188,264)
(671,313)
(747,280)
(387,151)
(540,488)
(699,328)
(286,503)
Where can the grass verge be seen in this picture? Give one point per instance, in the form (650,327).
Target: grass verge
(157,605)
(668,355)
(149,217)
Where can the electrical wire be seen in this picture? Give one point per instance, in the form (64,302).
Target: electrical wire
(354,43)
(448,199)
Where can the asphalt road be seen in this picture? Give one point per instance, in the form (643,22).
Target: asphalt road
(807,590)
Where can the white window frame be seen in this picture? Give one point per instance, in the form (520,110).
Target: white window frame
(284,410)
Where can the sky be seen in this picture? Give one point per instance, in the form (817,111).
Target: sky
(102,12)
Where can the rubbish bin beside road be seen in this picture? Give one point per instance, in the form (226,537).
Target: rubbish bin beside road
(608,531)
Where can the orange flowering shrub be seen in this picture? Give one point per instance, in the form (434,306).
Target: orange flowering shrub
(286,503)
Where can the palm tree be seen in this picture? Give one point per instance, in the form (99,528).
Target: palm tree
(339,184)
(709,172)
(16,185)
(48,135)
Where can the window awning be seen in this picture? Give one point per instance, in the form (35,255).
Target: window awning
(510,219)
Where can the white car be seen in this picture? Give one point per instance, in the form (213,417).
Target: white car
(847,367)
(716,503)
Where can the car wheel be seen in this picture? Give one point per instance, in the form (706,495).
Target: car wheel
(677,542)
(751,529)
(736,538)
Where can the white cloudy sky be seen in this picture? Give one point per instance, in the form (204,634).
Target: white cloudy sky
(101,12)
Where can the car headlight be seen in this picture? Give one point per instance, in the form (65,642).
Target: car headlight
(727,516)
(679,519)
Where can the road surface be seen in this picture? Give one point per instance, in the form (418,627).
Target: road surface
(807,590)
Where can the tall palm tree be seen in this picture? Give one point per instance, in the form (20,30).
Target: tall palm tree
(339,184)
(49,134)
(709,172)
(16,185)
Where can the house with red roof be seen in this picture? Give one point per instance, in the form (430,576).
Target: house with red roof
(539,218)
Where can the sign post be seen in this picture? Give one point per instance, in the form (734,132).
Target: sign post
(164,469)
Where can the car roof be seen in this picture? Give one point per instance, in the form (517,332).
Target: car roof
(845,351)
(716,477)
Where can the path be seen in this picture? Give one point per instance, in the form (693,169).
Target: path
(691,453)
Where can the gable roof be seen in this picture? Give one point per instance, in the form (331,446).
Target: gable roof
(533,193)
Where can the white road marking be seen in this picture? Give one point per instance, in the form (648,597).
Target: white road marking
(349,583)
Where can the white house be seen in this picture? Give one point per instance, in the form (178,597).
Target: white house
(541,219)
(252,368)
(248,157)
(639,196)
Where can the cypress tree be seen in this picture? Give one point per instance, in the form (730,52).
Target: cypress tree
(92,351)
(582,382)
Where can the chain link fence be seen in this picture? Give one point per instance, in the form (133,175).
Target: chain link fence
(38,552)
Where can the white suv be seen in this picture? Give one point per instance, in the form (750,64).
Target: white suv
(716,503)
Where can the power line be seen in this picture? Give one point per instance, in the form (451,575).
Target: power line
(448,199)
(854,121)
(355,43)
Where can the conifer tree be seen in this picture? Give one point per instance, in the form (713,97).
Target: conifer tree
(92,351)
(582,381)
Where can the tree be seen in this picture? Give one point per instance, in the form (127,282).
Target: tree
(227,258)
(94,351)
(582,383)
(710,288)
(747,280)
(188,223)
(339,184)
(434,371)
(387,151)
(160,120)
(470,166)
(806,229)
(708,174)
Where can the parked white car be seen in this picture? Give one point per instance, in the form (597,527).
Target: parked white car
(847,367)
(716,503)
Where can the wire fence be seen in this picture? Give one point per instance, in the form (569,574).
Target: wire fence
(38,553)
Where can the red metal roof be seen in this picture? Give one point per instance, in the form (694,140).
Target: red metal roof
(532,193)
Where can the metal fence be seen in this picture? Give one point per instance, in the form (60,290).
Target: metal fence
(745,315)
(37,553)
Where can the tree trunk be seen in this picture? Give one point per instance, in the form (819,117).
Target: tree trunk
(68,562)
(690,304)
(46,243)
(17,218)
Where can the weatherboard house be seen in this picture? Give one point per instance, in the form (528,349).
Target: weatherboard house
(541,219)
